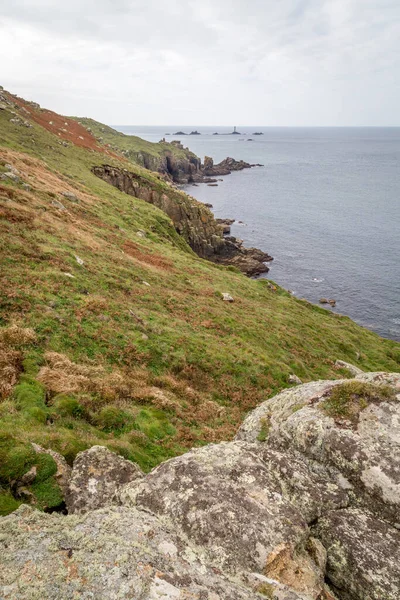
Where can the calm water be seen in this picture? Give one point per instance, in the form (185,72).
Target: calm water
(325,205)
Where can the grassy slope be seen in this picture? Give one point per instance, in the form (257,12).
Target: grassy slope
(148,370)
(132,145)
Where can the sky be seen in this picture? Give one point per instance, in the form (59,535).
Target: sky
(207,62)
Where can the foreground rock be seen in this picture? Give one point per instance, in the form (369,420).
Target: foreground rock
(304,505)
(117,553)
(95,478)
(350,429)
(191,219)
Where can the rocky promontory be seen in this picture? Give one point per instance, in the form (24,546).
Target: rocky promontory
(192,219)
(303,505)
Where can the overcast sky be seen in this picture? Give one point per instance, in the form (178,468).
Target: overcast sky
(206,62)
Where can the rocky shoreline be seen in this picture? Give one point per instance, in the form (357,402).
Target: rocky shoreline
(192,219)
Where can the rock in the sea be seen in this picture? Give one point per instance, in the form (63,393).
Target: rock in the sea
(96,475)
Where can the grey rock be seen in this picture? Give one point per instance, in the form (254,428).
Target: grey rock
(113,553)
(366,454)
(223,499)
(294,379)
(227,297)
(363,555)
(96,475)
(352,368)
(70,196)
(58,205)
(79,261)
(10,177)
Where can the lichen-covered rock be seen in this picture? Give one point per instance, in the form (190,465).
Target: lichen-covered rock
(363,555)
(225,500)
(96,475)
(309,486)
(110,554)
(361,440)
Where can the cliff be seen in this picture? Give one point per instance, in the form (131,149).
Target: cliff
(193,220)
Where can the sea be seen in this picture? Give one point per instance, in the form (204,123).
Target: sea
(325,204)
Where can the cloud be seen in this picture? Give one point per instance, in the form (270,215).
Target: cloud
(293,62)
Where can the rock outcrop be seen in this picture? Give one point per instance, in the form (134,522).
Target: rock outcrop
(96,476)
(225,167)
(192,219)
(304,505)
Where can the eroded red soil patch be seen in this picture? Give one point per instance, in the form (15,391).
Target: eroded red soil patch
(155,260)
(63,127)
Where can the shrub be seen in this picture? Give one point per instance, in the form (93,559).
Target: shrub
(112,418)
(68,406)
(15,459)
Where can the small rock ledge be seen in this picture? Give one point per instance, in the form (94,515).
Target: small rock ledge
(303,505)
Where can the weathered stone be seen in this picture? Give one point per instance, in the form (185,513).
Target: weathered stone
(96,475)
(363,555)
(70,196)
(224,499)
(63,473)
(367,454)
(294,379)
(110,554)
(352,368)
(58,205)
(227,297)
(12,176)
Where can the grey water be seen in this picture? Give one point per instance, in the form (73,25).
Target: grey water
(325,204)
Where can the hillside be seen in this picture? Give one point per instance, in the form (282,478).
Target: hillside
(113,331)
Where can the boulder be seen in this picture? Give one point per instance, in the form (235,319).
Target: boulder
(294,379)
(96,476)
(112,553)
(341,364)
(363,555)
(225,499)
(227,297)
(355,433)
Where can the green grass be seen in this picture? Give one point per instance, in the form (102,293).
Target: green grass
(347,400)
(148,371)
(135,148)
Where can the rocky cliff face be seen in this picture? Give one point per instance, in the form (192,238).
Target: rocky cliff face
(304,505)
(191,219)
